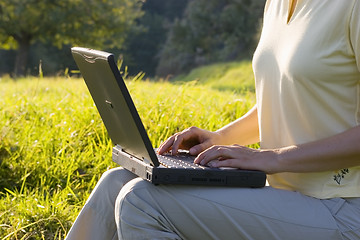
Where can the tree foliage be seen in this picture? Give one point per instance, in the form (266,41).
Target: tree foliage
(150,34)
(142,47)
(210,31)
(91,23)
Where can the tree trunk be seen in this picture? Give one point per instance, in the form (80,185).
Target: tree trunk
(21,57)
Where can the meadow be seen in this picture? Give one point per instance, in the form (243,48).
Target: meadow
(54,146)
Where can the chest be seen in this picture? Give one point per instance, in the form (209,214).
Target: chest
(311,39)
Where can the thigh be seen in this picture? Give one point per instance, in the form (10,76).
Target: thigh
(192,212)
(346,213)
(96,219)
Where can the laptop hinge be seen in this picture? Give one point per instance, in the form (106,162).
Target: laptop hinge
(119,148)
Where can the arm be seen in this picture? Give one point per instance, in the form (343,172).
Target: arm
(333,153)
(242,131)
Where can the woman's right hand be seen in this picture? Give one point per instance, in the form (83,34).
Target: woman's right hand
(193,139)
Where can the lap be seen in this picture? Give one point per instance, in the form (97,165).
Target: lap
(194,212)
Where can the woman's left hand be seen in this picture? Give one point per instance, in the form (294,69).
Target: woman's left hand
(335,152)
(237,156)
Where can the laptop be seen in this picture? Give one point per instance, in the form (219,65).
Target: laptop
(132,148)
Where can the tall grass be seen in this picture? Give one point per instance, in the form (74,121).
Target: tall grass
(54,146)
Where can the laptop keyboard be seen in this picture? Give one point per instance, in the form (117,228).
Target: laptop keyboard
(181,160)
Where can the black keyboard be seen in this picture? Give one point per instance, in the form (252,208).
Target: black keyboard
(181,160)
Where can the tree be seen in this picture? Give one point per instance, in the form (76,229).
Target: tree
(91,23)
(142,48)
(211,31)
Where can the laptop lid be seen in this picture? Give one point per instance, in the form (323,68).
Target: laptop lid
(117,111)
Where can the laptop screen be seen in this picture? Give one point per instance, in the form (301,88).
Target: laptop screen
(114,103)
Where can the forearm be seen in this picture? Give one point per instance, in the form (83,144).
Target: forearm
(243,131)
(333,153)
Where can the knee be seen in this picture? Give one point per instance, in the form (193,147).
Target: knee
(130,203)
(138,214)
(131,193)
(110,184)
(116,177)
(133,187)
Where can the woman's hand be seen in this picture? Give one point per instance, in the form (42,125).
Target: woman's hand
(237,156)
(193,139)
(329,154)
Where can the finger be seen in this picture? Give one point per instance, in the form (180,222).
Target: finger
(174,142)
(212,153)
(178,140)
(166,145)
(197,149)
(216,153)
(187,139)
(233,163)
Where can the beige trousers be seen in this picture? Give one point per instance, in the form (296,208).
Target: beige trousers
(124,207)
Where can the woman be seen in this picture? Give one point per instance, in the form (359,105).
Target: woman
(307,119)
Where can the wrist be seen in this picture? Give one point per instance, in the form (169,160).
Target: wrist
(219,137)
(284,159)
(273,161)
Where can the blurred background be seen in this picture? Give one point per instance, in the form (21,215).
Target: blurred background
(162,38)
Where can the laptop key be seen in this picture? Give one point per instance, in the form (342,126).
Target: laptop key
(179,161)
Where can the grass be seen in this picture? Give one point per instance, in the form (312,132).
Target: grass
(54,147)
(232,76)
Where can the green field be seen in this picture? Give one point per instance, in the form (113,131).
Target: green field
(54,147)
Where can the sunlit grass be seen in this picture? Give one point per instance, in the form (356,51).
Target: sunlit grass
(54,146)
(233,76)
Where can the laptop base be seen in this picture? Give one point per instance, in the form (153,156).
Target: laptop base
(186,176)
